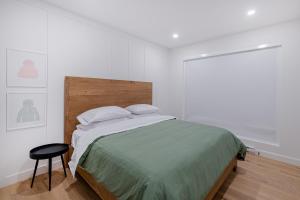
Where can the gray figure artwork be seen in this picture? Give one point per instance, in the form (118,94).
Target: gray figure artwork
(28,113)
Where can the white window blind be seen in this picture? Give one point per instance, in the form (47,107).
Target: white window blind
(235,91)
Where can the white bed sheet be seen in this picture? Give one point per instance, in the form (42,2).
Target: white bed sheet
(83,129)
(82,138)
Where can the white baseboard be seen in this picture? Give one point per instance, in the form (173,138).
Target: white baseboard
(279,157)
(275,156)
(23,175)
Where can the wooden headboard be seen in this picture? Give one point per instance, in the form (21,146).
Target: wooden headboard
(82,94)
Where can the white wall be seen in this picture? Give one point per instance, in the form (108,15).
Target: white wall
(81,47)
(75,47)
(288,109)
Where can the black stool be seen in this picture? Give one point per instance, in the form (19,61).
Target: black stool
(48,151)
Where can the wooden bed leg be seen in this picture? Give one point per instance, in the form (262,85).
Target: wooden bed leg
(235,166)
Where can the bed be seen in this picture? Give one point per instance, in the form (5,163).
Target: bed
(162,159)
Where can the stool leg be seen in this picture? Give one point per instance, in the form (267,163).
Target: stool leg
(49,172)
(63,164)
(34,172)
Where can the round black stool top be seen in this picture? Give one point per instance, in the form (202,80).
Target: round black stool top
(48,151)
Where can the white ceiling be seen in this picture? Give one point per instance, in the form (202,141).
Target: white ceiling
(193,20)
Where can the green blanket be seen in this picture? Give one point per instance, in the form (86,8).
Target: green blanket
(170,160)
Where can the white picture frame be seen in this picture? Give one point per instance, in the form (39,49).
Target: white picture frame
(26,110)
(26,68)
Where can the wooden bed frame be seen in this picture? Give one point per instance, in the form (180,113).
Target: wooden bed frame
(82,94)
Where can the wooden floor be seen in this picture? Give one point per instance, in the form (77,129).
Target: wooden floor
(256,178)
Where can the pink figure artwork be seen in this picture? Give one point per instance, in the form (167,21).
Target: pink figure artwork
(28,70)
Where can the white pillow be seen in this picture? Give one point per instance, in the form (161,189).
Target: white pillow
(140,109)
(102,114)
(103,123)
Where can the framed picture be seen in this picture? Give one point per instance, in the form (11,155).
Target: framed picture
(25,110)
(26,69)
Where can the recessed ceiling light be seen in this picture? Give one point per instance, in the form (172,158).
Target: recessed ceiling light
(175,35)
(251,12)
(203,55)
(262,46)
